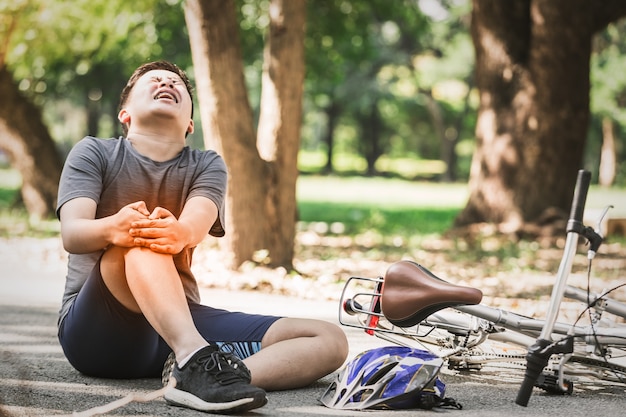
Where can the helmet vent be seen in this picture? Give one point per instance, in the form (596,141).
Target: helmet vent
(380,373)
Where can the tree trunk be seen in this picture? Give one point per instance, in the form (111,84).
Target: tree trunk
(333,112)
(608,160)
(260,213)
(94,111)
(371,126)
(447,142)
(280,120)
(532,71)
(30,148)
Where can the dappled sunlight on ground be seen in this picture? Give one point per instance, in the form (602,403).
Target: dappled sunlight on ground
(516,275)
(512,275)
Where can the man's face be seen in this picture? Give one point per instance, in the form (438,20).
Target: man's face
(160,93)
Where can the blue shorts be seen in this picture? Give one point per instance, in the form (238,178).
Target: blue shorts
(100,337)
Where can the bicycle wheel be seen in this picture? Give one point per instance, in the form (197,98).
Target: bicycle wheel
(597,368)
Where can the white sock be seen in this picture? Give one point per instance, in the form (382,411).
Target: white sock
(182,362)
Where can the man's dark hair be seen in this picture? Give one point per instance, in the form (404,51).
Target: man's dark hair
(155,65)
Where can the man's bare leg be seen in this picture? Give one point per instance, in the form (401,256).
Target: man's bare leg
(148,282)
(296,353)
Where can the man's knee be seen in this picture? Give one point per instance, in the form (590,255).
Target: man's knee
(112,262)
(123,254)
(331,338)
(338,342)
(333,345)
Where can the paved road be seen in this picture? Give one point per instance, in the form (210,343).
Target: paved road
(36,380)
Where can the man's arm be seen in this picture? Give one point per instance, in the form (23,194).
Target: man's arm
(81,232)
(199,215)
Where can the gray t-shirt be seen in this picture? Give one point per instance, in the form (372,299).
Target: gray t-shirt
(113,174)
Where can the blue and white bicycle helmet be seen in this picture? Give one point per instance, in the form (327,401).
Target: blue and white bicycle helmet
(391,377)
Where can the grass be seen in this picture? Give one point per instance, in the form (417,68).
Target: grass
(10,182)
(396,205)
(350,219)
(381,192)
(340,205)
(14,220)
(7,197)
(386,206)
(383,218)
(400,219)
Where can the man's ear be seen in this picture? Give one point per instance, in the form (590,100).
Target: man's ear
(123,116)
(190,127)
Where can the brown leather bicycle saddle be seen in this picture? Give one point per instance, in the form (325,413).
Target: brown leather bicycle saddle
(411,293)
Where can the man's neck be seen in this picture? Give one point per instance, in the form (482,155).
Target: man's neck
(156,147)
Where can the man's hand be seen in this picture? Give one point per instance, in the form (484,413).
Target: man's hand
(83,233)
(161,232)
(123,221)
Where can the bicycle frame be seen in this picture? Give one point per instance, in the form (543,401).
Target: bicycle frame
(541,351)
(542,341)
(529,328)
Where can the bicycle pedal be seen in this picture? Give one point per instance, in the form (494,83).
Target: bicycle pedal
(463,366)
(550,384)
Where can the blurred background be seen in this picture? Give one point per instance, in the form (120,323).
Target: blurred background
(405,106)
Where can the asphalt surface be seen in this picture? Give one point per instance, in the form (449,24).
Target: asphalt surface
(36,380)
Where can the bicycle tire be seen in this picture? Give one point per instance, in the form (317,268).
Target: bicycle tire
(611,371)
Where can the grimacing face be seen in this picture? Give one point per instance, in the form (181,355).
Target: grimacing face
(177,75)
(159,92)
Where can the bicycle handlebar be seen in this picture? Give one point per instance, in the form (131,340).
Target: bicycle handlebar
(580,197)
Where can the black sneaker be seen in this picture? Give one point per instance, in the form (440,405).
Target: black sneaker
(168,368)
(214,381)
(229,351)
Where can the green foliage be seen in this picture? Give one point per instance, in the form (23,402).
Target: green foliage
(382,56)
(14,220)
(82,52)
(55,41)
(345,163)
(608,96)
(362,57)
(74,57)
(408,166)
(8,197)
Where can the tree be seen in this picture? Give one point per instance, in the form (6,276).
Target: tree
(23,135)
(261,203)
(607,99)
(532,71)
(79,52)
(381,68)
(348,42)
(31,150)
(445,75)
